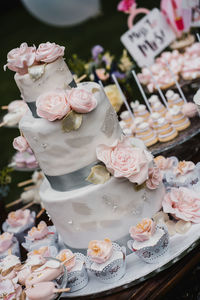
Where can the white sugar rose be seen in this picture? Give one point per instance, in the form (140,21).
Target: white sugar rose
(53,105)
(49,52)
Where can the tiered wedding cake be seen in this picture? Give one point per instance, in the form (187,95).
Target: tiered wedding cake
(74,133)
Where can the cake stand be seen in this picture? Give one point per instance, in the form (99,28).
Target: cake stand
(138,271)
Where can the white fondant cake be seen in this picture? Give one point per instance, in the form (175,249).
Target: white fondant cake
(81,210)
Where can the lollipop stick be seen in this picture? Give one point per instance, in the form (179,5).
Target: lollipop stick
(40,213)
(14,202)
(176,82)
(159,90)
(23,183)
(30,187)
(28,205)
(2,124)
(81,78)
(198,37)
(142,91)
(4,107)
(61,290)
(123,97)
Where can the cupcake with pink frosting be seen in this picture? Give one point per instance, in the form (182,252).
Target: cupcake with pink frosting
(77,277)
(19,222)
(39,236)
(8,245)
(186,174)
(106,260)
(149,241)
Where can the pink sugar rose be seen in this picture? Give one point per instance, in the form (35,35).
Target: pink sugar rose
(81,100)
(49,52)
(53,105)
(19,59)
(143,231)
(5,241)
(183,204)
(100,251)
(124,160)
(39,232)
(155,177)
(163,163)
(20,144)
(67,257)
(19,218)
(125,5)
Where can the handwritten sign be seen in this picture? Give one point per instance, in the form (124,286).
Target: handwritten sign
(148,38)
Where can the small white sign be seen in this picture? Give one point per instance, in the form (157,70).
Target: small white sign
(194,6)
(148,38)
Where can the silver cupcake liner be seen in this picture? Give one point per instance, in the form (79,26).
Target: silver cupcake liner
(14,249)
(50,240)
(22,230)
(78,279)
(154,253)
(113,271)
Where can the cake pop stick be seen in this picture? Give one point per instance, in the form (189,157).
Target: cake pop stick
(198,37)
(4,107)
(14,202)
(142,91)
(159,90)
(26,182)
(123,97)
(40,212)
(2,124)
(30,187)
(28,205)
(176,82)
(43,291)
(81,78)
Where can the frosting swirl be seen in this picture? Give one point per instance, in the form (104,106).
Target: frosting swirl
(39,232)
(68,258)
(19,218)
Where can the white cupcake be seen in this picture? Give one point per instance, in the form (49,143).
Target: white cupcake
(8,245)
(150,241)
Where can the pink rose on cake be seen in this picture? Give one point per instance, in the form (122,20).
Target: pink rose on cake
(184,167)
(81,100)
(67,257)
(49,52)
(19,218)
(143,231)
(5,241)
(183,204)
(100,251)
(124,160)
(20,144)
(53,105)
(19,59)
(155,177)
(39,232)
(125,5)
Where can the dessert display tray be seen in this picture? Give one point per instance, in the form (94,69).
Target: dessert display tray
(138,271)
(171,147)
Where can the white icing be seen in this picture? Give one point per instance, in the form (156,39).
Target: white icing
(175,110)
(56,75)
(123,124)
(138,120)
(58,152)
(128,131)
(162,121)
(134,104)
(151,242)
(9,262)
(125,115)
(99,267)
(12,119)
(78,266)
(155,116)
(141,108)
(96,211)
(153,99)
(176,97)
(143,126)
(169,94)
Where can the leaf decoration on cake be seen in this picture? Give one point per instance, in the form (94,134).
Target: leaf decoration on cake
(138,187)
(72,121)
(98,175)
(36,72)
(94,90)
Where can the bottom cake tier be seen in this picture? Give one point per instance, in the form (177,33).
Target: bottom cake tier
(99,211)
